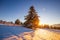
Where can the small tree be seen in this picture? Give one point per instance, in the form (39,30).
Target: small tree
(32,19)
(46,26)
(11,22)
(18,22)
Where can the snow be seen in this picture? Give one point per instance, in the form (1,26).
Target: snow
(21,33)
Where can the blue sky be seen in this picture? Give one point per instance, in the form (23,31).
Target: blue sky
(48,10)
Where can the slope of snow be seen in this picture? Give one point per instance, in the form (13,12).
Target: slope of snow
(7,31)
(21,33)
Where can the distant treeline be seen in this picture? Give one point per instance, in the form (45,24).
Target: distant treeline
(5,22)
(49,26)
(8,23)
(17,22)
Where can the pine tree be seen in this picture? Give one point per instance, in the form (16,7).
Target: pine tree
(18,22)
(32,19)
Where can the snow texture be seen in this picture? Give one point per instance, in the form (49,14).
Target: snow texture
(21,33)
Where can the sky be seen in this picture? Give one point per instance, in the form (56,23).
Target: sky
(48,10)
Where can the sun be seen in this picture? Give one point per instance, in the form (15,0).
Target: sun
(42,23)
(39,23)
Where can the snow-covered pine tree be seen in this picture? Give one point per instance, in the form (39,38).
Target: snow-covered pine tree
(32,19)
(18,22)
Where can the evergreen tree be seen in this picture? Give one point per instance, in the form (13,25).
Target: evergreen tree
(32,19)
(18,22)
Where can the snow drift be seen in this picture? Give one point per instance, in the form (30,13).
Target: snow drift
(21,33)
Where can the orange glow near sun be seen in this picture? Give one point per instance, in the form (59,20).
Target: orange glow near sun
(42,22)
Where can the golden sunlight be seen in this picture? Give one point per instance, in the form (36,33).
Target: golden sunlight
(39,23)
(42,22)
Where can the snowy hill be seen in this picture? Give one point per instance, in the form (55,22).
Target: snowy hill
(7,31)
(21,33)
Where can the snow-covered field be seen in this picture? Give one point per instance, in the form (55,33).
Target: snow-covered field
(21,33)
